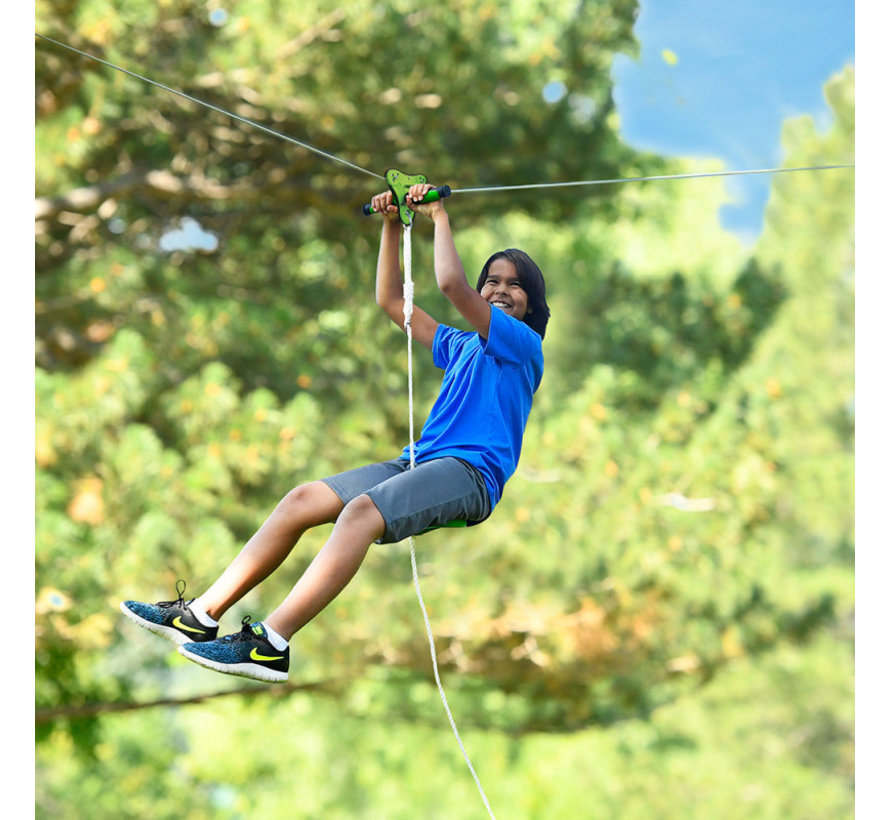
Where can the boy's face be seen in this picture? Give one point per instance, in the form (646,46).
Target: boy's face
(502,290)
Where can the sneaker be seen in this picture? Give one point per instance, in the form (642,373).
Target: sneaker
(247,653)
(172,620)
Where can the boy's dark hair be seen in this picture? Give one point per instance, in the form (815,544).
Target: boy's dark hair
(532,281)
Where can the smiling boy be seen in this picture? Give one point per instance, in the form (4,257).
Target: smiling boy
(468,449)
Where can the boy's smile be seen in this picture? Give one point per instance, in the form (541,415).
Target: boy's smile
(502,289)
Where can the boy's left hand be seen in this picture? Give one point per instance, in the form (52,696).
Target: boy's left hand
(382,204)
(418,192)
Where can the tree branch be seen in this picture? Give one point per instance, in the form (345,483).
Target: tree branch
(53,713)
(161,183)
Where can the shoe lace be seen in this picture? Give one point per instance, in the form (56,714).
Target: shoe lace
(180,601)
(246,633)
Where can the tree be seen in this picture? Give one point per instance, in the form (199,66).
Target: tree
(178,388)
(683,507)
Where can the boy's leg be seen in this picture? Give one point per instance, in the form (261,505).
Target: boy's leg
(254,652)
(435,493)
(408,501)
(304,507)
(359,525)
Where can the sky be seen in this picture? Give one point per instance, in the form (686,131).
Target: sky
(716,79)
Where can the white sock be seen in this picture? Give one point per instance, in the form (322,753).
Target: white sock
(201,614)
(274,638)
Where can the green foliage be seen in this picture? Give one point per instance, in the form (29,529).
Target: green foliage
(657,614)
(753,743)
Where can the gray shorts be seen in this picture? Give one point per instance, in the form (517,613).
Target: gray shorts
(433,494)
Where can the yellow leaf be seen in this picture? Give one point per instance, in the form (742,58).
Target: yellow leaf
(44,453)
(686,663)
(773,387)
(98,32)
(87,506)
(731,644)
(94,631)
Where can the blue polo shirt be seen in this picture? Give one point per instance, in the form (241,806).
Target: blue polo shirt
(485,398)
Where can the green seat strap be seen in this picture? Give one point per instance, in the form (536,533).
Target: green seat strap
(458,522)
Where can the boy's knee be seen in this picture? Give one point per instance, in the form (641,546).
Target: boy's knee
(314,502)
(363,511)
(301,494)
(296,499)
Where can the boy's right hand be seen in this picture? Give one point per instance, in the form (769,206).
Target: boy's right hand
(415,202)
(382,204)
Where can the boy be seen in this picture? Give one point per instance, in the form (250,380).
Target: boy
(468,448)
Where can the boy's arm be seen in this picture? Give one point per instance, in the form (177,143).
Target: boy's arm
(390,293)
(450,274)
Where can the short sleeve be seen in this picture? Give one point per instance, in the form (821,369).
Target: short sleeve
(445,345)
(510,340)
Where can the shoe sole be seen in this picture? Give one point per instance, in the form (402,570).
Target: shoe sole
(241,670)
(167,632)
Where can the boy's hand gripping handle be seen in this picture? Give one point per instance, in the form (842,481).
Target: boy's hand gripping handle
(431,196)
(399,184)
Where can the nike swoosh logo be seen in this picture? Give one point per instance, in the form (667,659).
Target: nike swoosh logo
(177,622)
(258,657)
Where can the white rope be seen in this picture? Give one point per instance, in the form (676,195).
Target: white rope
(408,309)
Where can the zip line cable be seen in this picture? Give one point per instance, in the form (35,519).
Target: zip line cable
(644,179)
(490,189)
(212,107)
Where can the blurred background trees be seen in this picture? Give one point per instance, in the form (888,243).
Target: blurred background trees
(658,618)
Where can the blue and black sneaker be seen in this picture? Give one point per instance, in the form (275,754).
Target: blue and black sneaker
(173,620)
(247,653)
